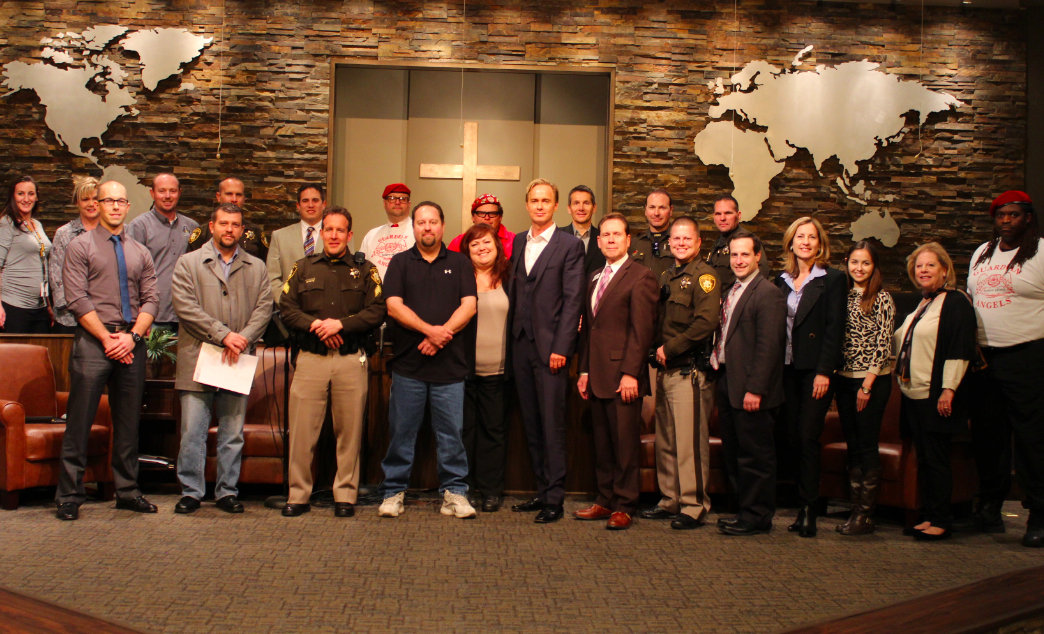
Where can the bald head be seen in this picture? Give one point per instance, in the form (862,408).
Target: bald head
(112,198)
(165,192)
(231,191)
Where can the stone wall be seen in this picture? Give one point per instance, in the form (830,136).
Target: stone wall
(270,67)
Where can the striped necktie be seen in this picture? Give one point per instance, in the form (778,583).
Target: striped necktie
(309,245)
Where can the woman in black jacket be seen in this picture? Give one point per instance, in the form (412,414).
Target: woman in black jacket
(815,297)
(935,346)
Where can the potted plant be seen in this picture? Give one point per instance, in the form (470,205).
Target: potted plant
(159,354)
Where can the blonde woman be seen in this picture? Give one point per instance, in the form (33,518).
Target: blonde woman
(85,198)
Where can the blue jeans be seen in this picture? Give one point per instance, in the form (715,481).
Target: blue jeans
(405,415)
(230,409)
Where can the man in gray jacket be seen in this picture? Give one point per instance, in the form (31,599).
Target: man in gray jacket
(222,297)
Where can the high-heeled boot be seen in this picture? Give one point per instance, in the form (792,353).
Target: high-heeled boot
(864,524)
(855,485)
(805,525)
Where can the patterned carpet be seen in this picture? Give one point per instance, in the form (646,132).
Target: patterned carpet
(425,572)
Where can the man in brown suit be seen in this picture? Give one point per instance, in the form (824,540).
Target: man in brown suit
(618,325)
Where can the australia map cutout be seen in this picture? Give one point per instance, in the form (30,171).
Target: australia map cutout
(82,87)
(849,112)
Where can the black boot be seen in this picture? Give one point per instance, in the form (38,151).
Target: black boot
(805,525)
(863,514)
(855,485)
(1034,537)
(988,516)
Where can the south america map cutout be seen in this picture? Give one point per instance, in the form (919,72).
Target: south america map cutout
(849,112)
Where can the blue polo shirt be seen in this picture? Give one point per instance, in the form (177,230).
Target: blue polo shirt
(434,291)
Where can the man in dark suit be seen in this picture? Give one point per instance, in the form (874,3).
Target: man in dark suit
(619,319)
(582,209)
(749,358)
(546,299)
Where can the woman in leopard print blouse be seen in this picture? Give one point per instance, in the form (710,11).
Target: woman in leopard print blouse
(864,382)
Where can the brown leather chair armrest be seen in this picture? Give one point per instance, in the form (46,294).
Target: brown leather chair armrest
(12,417)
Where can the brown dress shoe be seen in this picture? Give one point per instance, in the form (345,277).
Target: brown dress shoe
(593,512)
(618,521)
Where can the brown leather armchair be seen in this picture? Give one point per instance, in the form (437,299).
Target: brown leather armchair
(31,445)
(263,428)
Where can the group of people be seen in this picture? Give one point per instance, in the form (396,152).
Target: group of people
(495,317)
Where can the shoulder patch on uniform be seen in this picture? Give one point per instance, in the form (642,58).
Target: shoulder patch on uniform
(376,277)
(264,239)
(708,282)
(286,285)
(195,234)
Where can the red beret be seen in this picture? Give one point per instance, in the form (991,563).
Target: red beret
(396,187)
(1008,197)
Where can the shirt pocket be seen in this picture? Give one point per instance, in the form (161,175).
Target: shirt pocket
(353,295)
(311,294)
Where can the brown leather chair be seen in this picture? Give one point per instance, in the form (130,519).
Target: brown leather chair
(898,463)
(263,428)
(31,444)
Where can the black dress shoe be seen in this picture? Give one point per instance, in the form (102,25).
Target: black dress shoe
(657,513)
(533,504)
(344,509)
(492,503)
(186,504)
(474,498)
(550,513)
(293,510)
(230,504)
(743,529)
(685,522)
(727,521)
(138,505)
(805,525)
(68,511)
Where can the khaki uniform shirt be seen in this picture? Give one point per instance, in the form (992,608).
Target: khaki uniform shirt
(653,251)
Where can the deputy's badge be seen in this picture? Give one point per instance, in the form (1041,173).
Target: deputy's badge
(376,278)
(685,283)
(264,239)
(708,282)
(198,231)
(249,235)
(354,273)
(286,286)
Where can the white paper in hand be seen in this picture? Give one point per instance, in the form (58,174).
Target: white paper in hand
(211,370)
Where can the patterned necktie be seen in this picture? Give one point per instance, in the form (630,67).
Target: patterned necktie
(718,357)
(121,265)
(309,245)
(607,274)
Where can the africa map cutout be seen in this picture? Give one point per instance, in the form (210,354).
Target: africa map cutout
(82,88)
(849,112)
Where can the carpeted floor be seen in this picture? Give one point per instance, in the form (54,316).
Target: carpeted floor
(425,572)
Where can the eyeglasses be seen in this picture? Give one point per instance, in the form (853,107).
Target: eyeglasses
(398,199)
(488,215)
(119,202)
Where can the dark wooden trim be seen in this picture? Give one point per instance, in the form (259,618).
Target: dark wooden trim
(20,613)
(982,606)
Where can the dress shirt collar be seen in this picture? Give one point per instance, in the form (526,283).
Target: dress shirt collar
(543,236)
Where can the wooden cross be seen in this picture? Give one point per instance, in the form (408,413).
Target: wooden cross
(470,172)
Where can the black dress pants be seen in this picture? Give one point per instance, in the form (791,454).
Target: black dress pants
(804,418)
(542,401)
(750,457)
(934,470)
(1009,403)
(26,321)
(485,432)
(862,429)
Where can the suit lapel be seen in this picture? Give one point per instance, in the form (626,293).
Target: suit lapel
(813,289)
(741,305)
(613,283)
(553,242)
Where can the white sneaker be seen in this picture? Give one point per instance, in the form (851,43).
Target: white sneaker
(457,505)
(393,506)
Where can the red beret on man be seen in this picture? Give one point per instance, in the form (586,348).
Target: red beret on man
(396,188)
(1008,197)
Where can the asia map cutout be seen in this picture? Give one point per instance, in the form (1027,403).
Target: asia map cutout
(849,112)
(83,90)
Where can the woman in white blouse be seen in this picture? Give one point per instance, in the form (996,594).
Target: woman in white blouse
(863,384)
(485,421)
(934,348)
(24,292)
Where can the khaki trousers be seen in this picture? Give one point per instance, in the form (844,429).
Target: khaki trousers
(346,379)
(683,408)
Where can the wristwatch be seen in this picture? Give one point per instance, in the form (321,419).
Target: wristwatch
(863,389)
(136,337)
